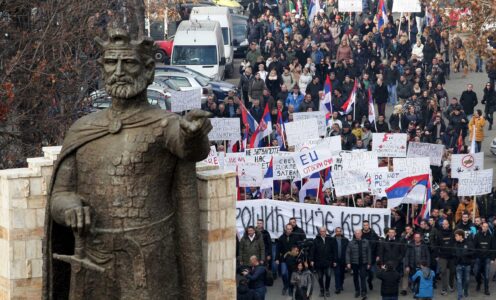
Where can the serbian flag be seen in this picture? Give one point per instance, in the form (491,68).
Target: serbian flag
(473,145)
(382,19)
(310,187)
(459,143)
(328,94)
(411,189)
(267,182)
(280,130)
(313,8)
(371,107)
(426,207)
(248,120)
(263,130)
(348,105)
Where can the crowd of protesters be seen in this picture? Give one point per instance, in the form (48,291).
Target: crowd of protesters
(403,64)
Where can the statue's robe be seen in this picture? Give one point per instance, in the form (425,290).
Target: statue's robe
(141,186)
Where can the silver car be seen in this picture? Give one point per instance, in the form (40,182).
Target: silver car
(493,146)
(186,82)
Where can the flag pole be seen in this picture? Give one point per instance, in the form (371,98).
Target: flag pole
(280,189)
(475,207)
(407,212)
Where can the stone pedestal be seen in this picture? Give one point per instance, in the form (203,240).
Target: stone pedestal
(23,194)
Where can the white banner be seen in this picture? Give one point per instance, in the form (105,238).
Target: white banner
(320,116)
(412,165)
(475,183)
(284,167)
(406,6)
(312,161)
(349,182)
(461,163)
(261,155)
(433,151)
(250,174)
(309,217)
(225,129)
(331,143)
(298,132)
(350,6)
(185,100)
(389,144)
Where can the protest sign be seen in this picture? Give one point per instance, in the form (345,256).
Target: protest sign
(331,143)
(185,100)
(461,163)
(312,161)
(250,174)
(225,129)
(380,181)
(298,132)
(350,6)
(320,116)
(349,182)
(406,6)
(412,165)
(212,158)
(363,160)
(389,144)
(309,217)
(232,160)
(262,155)
(284,167)
(475,183)
(433,151)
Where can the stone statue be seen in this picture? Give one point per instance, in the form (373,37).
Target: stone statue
(122,213)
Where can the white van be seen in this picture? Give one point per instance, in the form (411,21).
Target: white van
(223,16)
(199,45)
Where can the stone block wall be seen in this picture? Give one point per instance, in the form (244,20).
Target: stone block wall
(22,215)
(23,195)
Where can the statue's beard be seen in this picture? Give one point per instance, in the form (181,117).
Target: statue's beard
(125,87)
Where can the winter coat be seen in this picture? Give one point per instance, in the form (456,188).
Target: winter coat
(340,259)
(479,128)
(304,81)
(485,243)
(469,208)
(344,53)
(353,255)
(391,76)
(468,100)
(249,248)
(412,260)
(303,281)
(244,83)
(256,88)
(322,253)
(256,277)
(444,243)
(284,244)
(426,285)
(404,90)
(274,85)
(390,282)
(489,100)
(295,101)
(381,94)
(288,81)
(463,252)
(244,293)
(391,250)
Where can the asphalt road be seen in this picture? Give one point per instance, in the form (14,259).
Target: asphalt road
(455,86)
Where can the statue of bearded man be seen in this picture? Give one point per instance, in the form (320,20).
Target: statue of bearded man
(122,213)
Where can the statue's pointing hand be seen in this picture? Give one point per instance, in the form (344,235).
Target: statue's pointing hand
(78,219)
(196,123)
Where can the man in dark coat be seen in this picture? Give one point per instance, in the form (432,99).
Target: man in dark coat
(339,245)
(391,249)
(443,252)
(370,235)
(322,258)
(297,231)
(469,101)
(359,259)
(484,244)
(463,256)
(390,281)
(416,252)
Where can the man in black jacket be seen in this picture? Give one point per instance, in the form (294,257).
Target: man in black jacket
(267,242)
(416,252)
(390,281)
(244,85)
(284,244)
(256,277)
(391,250)
(359,259)
(370,235)
(339,245)
(321,259)
(463,254)
(297,231)
(468,100)
(485,246)
(443,252)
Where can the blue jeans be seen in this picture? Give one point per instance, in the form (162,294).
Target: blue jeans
(393,98)
(389,297)
(285,275)
(482,267)
(261,292)
(462,279)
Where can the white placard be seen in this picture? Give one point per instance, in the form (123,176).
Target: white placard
(284,167)
(312,161)
(412,165)
(225,129)
(262,155)
(309,217)
(350,6)
(406,6)
(433,151)
(185,100)
(249,175)
(363,160)
(232,160)
(320,116)
(461,163)
(298,132)
(389,144)
(349,182)
(380,181)
(212,158)
(475,183)
(331,143)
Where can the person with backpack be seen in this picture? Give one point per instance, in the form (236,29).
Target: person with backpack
(425,277)
(390,279)
(256,277)
(302,280)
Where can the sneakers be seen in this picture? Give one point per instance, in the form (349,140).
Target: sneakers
(338,291)
(403,293)
(284,292)
(486,292)
(444,293)
(328,294)
(451,289)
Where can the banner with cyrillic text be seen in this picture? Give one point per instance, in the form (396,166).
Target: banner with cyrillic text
(313,161)
(309,217)
(475,183)
(433,151)
(225,129)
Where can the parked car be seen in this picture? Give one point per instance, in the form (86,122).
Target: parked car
(164,50)
(219,88)
(186,82)
(493,146)
(240,41)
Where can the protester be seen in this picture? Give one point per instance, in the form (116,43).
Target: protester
(390,281)
(302,280)
(463,258)
(256,277)
(322,259)
(359,260)
(426,278)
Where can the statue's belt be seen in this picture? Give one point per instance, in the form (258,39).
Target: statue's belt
(131,241)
